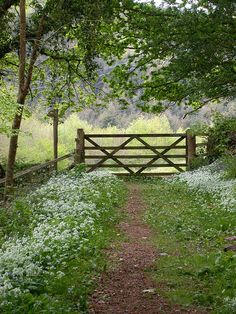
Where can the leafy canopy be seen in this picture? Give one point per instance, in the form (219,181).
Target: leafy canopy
(159,56)
(71,41)
(178,53)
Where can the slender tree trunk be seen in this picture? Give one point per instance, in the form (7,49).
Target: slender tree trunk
(20,99)
(13,148)
(24,84)
(2,172)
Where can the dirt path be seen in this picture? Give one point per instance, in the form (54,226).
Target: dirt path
(128,289)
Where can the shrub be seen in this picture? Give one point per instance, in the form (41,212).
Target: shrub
(221,141)
(198,162)
(230,167)
(221,137)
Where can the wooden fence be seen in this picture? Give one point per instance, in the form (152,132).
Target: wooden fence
(152,155)
(87,143)
(34,169)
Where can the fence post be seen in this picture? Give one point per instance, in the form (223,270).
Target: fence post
(55,136)
(191,148)
(79,151)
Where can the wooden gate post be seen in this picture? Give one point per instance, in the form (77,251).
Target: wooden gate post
(79,151)
(191,148)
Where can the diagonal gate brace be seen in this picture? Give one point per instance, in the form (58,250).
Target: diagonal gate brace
(160,155)
(110,155)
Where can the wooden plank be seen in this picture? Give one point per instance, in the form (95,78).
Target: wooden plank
(160,154)
(134,156)
(113,158)
(133,147)
(133,135)
(148,174)
(138,165)
(38,167)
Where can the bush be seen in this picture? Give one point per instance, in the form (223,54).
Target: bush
(198,162)
(230,167)
(221,137)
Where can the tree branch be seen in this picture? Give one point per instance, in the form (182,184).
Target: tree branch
(34,54)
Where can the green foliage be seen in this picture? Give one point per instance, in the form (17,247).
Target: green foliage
(198,162)
(80,168)
(74,35)
(8,108)
(181,53)
(163,51)
(15,220)
(6,18)
(222,136)
(157,124)
(230,167)
(192,267)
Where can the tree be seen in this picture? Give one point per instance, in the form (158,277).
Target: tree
(24,83)
(178,53)
(62,33)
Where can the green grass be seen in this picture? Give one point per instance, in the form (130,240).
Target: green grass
(230,167)
(15,220)
(194,269)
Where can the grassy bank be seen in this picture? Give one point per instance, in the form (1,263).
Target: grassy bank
(191,217)
(52,243)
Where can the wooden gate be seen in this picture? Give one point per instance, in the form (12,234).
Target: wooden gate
(153,155)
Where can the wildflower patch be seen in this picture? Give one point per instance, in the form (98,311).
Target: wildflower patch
(68,215)
(193,214)
(210,179)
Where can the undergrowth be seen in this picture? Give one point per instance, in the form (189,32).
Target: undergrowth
(52,243)
(191,227)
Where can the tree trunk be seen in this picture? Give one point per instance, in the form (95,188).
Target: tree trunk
(2,172)
(13,148)
(21,100)
(24,84)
